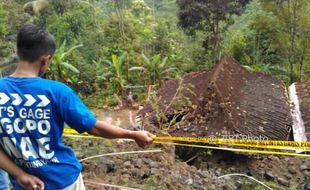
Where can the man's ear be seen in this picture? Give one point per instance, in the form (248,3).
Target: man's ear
(45,60)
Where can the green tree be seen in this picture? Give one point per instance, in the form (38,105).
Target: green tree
(294,40)
(3,19)
(209,16)
(156,69)
(3,26)
(253,40)
(61,69)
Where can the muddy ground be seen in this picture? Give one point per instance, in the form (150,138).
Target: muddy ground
(166,170)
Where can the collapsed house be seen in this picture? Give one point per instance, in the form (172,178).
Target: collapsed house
(225,102)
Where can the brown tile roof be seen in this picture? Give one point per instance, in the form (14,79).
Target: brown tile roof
(227,100)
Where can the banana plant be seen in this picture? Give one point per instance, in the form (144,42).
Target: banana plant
(61,69)
(102,73)
(116,75)
(155,68)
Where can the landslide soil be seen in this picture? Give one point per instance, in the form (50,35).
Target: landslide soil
(166,170)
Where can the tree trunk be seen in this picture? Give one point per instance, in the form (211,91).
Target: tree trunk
(215,41)
(301,67)
(292,8)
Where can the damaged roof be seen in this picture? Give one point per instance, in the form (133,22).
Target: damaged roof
(227,100)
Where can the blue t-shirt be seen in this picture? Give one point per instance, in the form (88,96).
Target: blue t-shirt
(32,116)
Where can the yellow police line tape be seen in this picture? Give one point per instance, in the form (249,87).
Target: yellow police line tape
(280,145)
(236,149)
(285,145)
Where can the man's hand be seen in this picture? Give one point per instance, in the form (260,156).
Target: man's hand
(143,138)
(106,130)
(26,181)
(29,182)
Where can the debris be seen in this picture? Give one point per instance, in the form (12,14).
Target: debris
(269,176)
(303,167)
(292,169)
(107,165)
(282,181)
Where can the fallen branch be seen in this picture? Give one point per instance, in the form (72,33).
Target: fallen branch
(192,158)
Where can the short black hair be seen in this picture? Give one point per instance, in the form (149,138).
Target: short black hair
(33,42)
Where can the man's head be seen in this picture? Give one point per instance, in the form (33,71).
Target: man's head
(35,46)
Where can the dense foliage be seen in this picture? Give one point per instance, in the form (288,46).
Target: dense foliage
(112,47)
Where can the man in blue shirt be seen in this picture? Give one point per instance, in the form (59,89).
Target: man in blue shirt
(33,112)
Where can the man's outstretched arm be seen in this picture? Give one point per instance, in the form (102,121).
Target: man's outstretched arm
(25,180)
(103,129)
